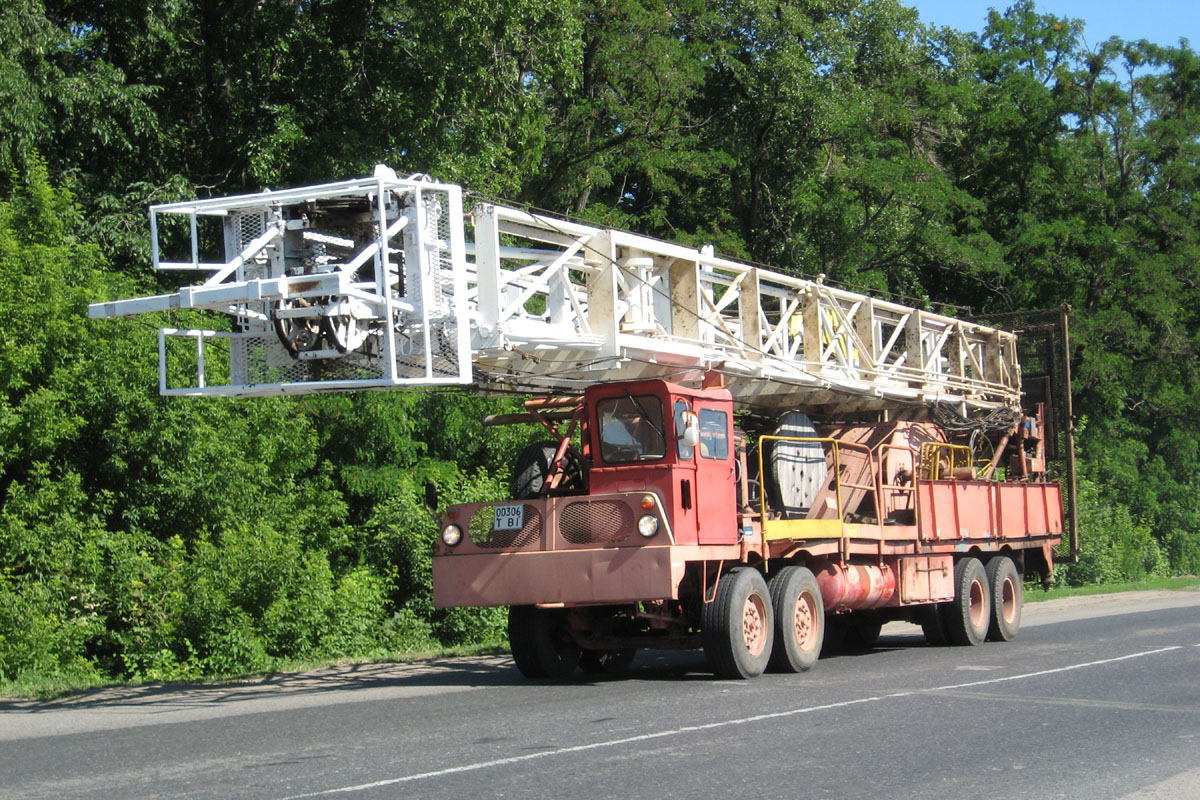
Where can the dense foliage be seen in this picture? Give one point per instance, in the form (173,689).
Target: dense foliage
(141,537)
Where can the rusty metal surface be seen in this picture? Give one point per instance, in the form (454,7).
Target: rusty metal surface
(926,579)
(610,575)
(558,523)
(979,511)
(854,586)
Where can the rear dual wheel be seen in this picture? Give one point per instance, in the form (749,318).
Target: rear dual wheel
(987,605)
(1007,596)
(799,620)
(607,661)
(863,633)
(933,625)
(968,616)
(856,632)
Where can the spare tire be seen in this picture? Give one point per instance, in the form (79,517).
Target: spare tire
(533,469)
(797,470)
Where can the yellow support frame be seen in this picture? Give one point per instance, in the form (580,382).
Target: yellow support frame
(934,455)
(774,530)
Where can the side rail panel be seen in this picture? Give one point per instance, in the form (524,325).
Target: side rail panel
(964,510)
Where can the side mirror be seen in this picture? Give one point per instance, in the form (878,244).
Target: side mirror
(691,429)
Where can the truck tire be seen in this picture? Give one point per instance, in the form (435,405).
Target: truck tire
(799,620)
(835,635)
(967,616)
(738,625)
(1008,596)
(933,625)
(541,645)
(863,633)
(607,661)
(533,469)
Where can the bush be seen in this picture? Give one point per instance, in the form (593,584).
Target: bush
(39,636)
(1115,548)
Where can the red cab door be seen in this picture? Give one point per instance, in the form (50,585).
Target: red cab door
(716,484)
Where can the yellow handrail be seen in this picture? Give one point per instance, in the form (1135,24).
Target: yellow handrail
(939,460)
(836,446)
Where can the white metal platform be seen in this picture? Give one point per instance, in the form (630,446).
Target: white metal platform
(383,282)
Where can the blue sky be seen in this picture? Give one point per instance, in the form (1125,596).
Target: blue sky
(1161,21)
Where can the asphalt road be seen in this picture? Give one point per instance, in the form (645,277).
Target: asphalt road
(1098,699)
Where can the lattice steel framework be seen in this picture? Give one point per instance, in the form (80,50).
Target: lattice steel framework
(373,283)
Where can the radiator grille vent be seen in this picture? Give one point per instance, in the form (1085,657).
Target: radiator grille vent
(599,522)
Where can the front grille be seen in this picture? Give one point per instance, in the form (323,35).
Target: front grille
(598,522)
(482,534)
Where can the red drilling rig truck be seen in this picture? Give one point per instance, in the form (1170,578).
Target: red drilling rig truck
(666,526)
(733,459)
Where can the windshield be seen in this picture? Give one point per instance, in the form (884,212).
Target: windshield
(631,429)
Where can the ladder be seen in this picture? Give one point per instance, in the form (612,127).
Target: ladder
(384,282)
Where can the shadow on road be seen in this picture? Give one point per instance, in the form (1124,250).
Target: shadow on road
(418,677)
(464,671)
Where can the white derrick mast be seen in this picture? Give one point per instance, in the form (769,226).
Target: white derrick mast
(383,282)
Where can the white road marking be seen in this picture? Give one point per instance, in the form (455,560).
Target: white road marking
(582,748)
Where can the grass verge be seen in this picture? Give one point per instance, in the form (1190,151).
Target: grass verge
(1034,594)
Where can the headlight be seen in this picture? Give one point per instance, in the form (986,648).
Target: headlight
(648,525)
(451,535)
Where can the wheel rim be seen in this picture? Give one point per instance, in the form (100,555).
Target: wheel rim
(754,629)
(806,622)
(978,609)
(1008,600)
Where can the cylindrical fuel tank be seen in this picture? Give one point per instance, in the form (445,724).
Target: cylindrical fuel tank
(853,587)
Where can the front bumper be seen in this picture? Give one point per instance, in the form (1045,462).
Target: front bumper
(611,575)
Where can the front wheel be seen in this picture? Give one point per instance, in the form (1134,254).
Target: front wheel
(738,625)
(799,620)
(541,643)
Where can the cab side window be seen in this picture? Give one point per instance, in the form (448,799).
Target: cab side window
(714,434)
(685,451)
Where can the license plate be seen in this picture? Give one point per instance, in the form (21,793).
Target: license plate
(508,518)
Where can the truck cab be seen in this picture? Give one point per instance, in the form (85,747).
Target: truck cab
(658,487)
(674,441)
